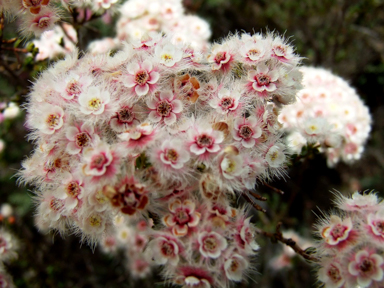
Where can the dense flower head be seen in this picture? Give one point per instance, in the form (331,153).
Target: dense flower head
(156,131)
(328,113)
(350,249)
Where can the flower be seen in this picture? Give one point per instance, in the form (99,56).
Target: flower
(275,156)
(246,130)
(79,138)
(332,274)
(51,118)
(165,107)
(173,154)
(235,266)
(367,267)
(263,79)
(182,217)
(338,230)
(226,101)
(204,140)
(93,101)
(168,55)
(211,244)
(141,77)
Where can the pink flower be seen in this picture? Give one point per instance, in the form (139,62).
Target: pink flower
(254,51)
(337,231)
(376,225)
(263,79)
(235,266)
(79,138)
(211,244)
(367,267)
(37,24)
(220,57)
(246,236)
(50,118)
(332,274)
(193,277)
(226,101)
(141,77)
(164,249)
(97,159)
(173,154)
(139,136)
(70,191)
(281,51)
(246,131)
(73,85)
(182,217)
(165,107)
(124,119)
(205,140)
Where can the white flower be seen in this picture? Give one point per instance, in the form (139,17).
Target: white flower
(211,244)
(93,101)
(275,156)
(165,107)
(50,118)
(235,266)
(168,55)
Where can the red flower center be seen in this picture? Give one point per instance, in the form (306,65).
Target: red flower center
(164,108)
(245,132)
(204,140)
(262,80)
(142,77)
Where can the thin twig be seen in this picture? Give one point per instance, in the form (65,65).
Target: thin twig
(273,188)
(250,200)
(278,236)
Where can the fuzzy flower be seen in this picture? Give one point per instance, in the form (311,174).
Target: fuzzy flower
(93,101)
(73,85)
(275,156)
(332,275)
(254,51)
(51,118)
(226,101)
(79,137)
(173,154)
(211,244)
(164,107)
(141,77)
(263,79)
(246,131)
(205,141)
(367,267)
(231,166)
(164,249)
(337,231)
(168,55)
(182,217)
(376,225)
(124,119)
(235,266)
(39,23)
(220,57)
(34,6)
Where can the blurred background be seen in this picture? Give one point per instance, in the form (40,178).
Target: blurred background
(344,36)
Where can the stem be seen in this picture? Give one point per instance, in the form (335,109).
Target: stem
(278,236)
(250,201)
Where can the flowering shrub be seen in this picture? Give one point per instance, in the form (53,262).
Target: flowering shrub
(330,114)
(163,136)
(350,249)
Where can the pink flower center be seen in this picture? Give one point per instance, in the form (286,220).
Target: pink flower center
(234,265)
(210,243)
(262,79)
(98,161)
(245,132)
(56,204)
(142,77)
(171,155)
(338,231)
(164,108)
(181,217)
(73,88)
(43,22)
(82,139)
(379,225)
(167,249)
(125,115)
(220,57)
(204,140)
(279,50)
(73,189)
(227,103)
(52,120)
(253,52)
(334,273)
(367,266)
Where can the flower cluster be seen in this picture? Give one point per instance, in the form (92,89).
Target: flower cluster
(329,113)
(350,251)
(38,16)
(7,111)
(140,17)
(58,41)
(166,133)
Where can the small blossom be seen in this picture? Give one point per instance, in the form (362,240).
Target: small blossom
(226,101)
(168,55)
(93,101)
(235,266)
(50,118)
(263,79)
(246,131)
(141,77)
(172,153)
(165,107)
(338,230)
(275,156)
(79,138)
(211,244)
